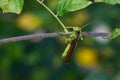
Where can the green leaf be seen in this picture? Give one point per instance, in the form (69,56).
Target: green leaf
(14,6)
(115,33)
(109,1)
(71,5)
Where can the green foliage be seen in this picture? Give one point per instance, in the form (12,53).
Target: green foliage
(71,5)
(14,6)
(109,1)
(115,33)
(41,59)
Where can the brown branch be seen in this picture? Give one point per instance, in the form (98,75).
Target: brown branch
(48,35)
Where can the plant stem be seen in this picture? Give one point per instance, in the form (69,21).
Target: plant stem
(41,2)
(49,35)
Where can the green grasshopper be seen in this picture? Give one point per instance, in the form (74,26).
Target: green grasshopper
(72,42)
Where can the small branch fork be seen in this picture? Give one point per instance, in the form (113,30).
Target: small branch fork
(49,35)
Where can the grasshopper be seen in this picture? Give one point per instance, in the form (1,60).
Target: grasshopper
(72,42)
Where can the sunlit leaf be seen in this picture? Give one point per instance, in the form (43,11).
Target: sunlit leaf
(14,6)
(109,1)
(71,5)
(115,33)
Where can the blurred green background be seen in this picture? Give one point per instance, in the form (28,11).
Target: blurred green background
(40,59)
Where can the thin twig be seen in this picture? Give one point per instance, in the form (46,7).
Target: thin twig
(48,35)
(61,23)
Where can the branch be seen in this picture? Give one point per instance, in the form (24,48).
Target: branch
(48,35)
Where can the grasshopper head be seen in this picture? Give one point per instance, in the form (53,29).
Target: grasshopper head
(76,28)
